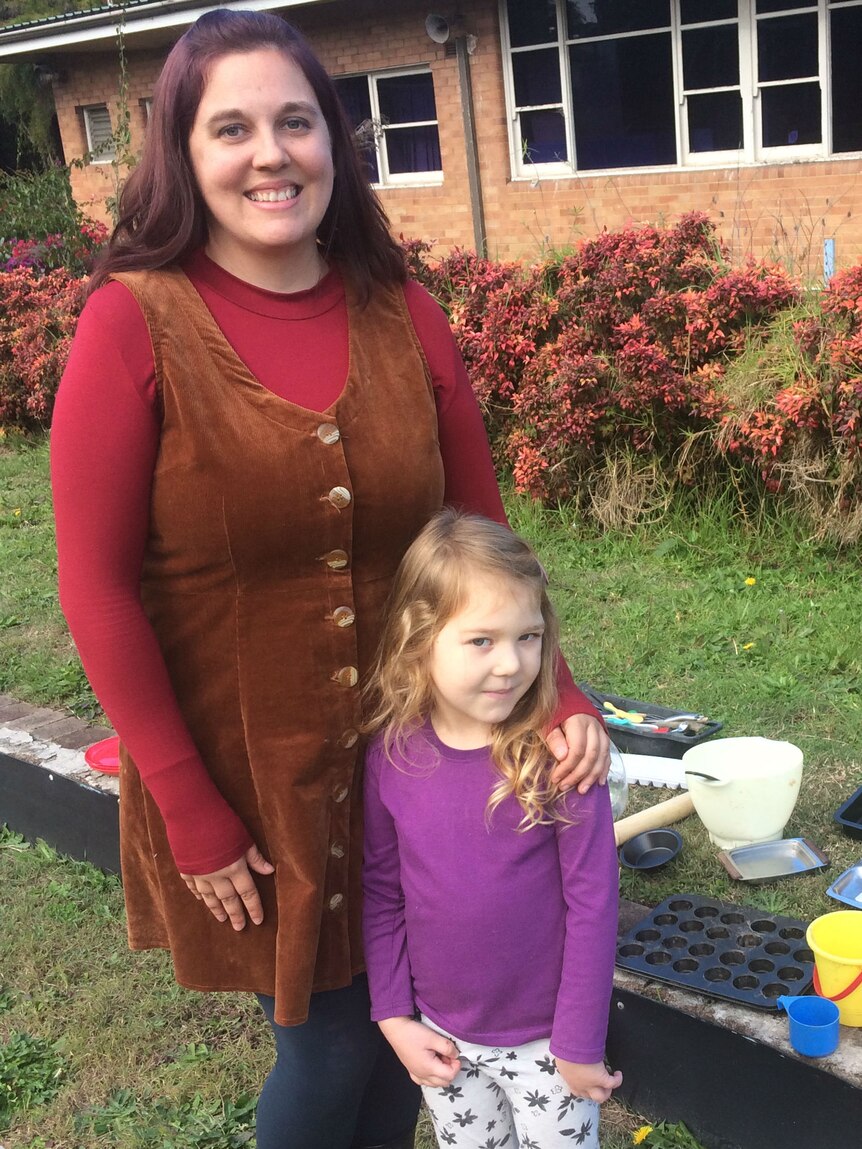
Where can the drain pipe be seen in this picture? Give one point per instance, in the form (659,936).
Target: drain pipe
(464,47)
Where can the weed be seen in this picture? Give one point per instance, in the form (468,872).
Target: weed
(31,1073)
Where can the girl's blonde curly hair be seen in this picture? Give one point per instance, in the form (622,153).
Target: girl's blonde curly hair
(431,585)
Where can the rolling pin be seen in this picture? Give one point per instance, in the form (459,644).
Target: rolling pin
(662,814)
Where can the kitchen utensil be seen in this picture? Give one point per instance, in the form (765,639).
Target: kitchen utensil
(634,739)
(766,861)
(849,815)
(813,1025)
(847,887)
(740,953)
(655,818)
(104,756)
(755,792)
(654,770)
(651,849)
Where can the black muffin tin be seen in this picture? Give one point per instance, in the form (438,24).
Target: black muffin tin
(737,953)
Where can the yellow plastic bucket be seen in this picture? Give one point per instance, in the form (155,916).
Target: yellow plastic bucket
(836,940)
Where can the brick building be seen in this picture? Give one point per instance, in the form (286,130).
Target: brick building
(528,124)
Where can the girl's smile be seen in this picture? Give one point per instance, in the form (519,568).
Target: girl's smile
(484,661)
(262,158)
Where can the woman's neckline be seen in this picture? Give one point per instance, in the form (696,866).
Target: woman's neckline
(293,305)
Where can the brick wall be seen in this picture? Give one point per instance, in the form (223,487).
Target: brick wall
(785,210)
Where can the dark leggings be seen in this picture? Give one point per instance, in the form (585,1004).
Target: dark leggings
(336,1083)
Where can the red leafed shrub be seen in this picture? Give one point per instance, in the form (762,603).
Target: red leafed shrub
(38,313)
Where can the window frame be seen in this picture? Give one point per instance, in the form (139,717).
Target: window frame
(97,153)
(387,179)
(752,152)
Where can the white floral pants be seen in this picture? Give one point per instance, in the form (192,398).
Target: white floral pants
(510,1098)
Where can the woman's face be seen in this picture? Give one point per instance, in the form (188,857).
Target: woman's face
(262,158)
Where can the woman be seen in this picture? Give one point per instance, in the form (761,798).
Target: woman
(277,413)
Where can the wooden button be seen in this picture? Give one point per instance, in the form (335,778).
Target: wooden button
(328,433)
(337,850)
(348,738)
(339,497)
(340,793)
(346,676)
(336,560)
(343,616)
(336,902)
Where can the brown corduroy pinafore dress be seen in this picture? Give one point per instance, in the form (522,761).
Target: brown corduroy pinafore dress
(274,535)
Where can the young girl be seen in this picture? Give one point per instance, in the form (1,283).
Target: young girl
(490,898)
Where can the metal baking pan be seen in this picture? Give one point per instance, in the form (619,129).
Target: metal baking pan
(739,953)
(766,861)
(847,887)
(849,815)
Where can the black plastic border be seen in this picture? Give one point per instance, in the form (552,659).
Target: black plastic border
(75,819)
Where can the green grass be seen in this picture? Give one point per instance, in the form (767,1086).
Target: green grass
(662,614)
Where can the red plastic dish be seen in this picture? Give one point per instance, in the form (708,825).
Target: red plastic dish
(104,756)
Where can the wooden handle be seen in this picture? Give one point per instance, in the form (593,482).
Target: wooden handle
(662,814)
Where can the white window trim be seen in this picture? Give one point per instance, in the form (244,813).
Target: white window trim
(431,178)
(98,153)
(753,153)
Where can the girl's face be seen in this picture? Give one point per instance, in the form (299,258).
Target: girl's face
(262,158)
(484,661)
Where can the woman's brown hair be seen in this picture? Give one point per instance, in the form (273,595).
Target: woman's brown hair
(161,213)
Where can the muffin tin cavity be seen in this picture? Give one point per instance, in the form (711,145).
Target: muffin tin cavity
(737,953)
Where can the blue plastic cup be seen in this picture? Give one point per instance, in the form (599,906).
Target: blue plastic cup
(813,1025)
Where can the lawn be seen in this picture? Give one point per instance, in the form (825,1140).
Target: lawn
(750,622)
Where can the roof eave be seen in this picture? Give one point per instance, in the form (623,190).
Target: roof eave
(99,29)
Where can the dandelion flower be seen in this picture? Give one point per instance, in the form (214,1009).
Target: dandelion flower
(640,1135)
(17,512)
(748,645)
(750,581)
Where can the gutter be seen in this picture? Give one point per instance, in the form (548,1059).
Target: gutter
(98,27)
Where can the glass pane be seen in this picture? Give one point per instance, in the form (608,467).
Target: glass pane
(353,93)
(532,22)
(846,81)
(543,137)
(412,150)
(622,92)
(791,115)
(710,57)
(697,11)
(715,122)
(782,5)
(405,99)
(605,17)
(787,47)
(537,77)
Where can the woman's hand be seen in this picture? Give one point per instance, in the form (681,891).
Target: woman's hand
(430,1058)
(583,752)
(594,1082)
(230,893)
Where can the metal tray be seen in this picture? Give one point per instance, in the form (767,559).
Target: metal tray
(847,887)
(767,861)
(738,953)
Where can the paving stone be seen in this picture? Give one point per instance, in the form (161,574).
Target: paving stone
(11,708)
(33,719)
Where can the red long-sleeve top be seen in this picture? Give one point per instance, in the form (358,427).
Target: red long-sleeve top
(104,444)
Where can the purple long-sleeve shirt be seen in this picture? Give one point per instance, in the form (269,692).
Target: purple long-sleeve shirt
(499,937)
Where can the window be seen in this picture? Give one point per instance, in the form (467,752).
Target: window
(605,84)
(395,119)
(100,135)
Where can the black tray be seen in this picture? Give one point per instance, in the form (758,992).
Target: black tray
(737,953)
(849,815)
(633,741)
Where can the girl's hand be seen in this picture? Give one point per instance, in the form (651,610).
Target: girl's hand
(430,1058)
(594,1082)
(583,752)
(230,892)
